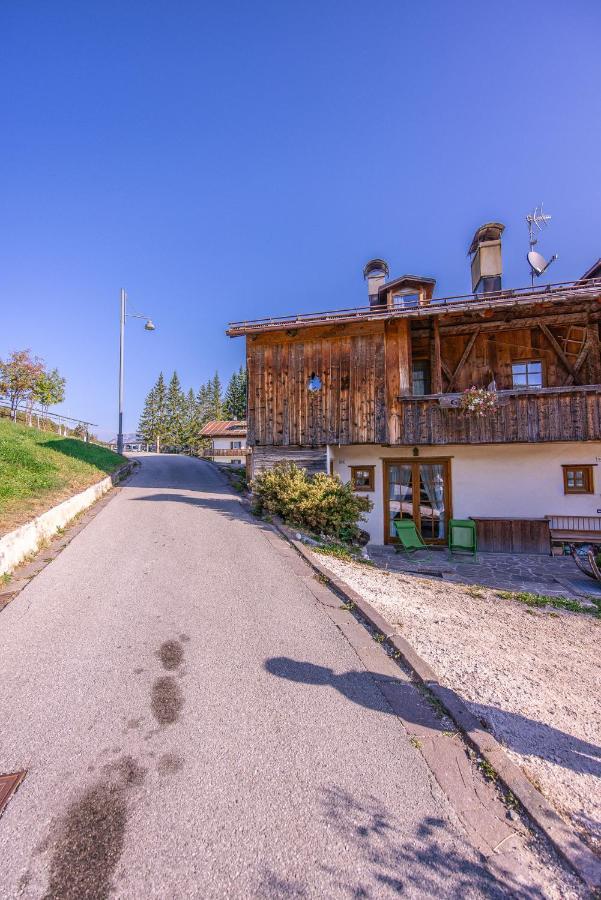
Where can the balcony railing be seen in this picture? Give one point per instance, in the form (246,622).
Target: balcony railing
(522,416)
(242,451)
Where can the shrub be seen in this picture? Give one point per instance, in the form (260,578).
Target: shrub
(320,503)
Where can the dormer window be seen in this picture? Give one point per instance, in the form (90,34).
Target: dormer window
(406,299)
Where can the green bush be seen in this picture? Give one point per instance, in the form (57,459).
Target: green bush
(320,503)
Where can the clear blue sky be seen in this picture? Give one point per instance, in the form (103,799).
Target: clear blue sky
(232,159)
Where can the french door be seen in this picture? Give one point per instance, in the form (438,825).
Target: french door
(419,490)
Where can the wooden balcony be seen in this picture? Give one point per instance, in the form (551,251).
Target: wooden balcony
(526,416)
(242,451)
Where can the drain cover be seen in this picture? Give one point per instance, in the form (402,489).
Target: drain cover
(8,784)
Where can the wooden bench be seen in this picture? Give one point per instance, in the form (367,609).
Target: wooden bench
(575,529)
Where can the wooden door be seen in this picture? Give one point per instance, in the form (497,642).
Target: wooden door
(418,489)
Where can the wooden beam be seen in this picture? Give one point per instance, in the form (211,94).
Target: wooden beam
(446,370)
(594,353)
(579,362)
(463,360)
(436,360)
(558,350)
(572,318)
(404,344)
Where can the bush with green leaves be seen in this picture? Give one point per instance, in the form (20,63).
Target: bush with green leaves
(319,503)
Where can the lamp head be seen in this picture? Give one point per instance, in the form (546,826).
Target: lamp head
(149,326)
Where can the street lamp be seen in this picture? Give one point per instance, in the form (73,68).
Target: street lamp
(148,326)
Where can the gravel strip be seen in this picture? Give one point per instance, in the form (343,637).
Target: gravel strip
(533,676)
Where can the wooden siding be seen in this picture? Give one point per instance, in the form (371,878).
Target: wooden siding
(350,407)
(365,370)
(266,457)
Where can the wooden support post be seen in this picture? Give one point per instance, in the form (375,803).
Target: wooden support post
(404,343)
(594,353)
(436,361)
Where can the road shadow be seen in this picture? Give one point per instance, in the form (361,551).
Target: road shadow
(433,860)
(517,732)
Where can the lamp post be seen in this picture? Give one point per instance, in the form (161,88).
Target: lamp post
(149,326)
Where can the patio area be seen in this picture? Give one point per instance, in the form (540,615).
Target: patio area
(551,575)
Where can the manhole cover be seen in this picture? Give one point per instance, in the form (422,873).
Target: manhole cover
(9,784)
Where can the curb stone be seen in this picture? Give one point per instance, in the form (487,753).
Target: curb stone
(26,571)
(565,841)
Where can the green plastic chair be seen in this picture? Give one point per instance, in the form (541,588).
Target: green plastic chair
(462,536)
(409,537)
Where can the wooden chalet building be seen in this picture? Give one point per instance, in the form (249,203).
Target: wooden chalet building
(375,394)
(228,441)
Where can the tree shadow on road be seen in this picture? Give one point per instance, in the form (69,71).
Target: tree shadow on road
(517,732)
(432,860)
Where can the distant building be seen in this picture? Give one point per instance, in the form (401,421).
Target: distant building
(228,442)
(132,443)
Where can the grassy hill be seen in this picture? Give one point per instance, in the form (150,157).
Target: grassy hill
(38,469)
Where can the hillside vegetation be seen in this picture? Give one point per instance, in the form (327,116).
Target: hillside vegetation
(38,469)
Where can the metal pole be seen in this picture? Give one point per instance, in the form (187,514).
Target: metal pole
(121,350)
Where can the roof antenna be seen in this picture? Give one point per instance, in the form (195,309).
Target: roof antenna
(536,261)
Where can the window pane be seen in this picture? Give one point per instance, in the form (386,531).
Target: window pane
(400,495)
(519,368)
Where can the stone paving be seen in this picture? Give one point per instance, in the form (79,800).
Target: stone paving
(551,575)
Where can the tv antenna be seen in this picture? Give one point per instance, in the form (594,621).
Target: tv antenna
(537,262)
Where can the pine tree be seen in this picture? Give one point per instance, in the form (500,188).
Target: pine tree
(234,404)
(192,422)
(215,401)
(202,405)
(152,427)
(175,407)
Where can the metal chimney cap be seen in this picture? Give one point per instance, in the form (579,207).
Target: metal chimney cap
(375,265)
(491,231)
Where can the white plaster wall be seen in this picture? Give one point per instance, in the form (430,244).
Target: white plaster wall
(223,443)
(488,480)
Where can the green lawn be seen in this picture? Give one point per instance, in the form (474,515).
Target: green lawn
(38,469)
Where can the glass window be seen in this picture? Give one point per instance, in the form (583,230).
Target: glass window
(421,377)
(578,480)
(405,300)
(362,478)
(527,374)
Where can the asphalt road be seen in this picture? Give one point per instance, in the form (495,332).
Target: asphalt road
(194,725)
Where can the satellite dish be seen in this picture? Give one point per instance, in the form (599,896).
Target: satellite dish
(537,262)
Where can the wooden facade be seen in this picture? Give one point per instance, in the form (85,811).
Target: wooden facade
(365,365)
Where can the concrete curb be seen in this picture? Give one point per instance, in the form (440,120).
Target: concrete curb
(565,841)
(25,540)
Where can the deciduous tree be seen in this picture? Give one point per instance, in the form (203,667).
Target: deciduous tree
(18,376)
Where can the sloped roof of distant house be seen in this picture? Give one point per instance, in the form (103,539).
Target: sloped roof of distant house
(593,272)
(216,428)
